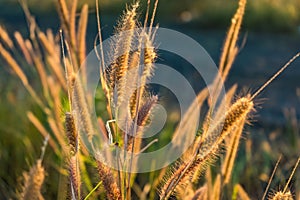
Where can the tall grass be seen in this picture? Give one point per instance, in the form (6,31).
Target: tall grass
(56,59)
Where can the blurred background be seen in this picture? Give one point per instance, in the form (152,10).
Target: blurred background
(270,37)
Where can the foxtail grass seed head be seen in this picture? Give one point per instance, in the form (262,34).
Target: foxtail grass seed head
(208,147)
(33,181)
(71,133)
(118,69)
(143,116)
(74,176)
(109,182)
(282,196)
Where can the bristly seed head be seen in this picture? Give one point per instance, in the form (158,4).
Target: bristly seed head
(71,132)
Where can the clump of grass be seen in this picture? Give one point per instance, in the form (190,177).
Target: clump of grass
(222,127)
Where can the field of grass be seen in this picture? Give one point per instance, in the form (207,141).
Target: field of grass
(44,154)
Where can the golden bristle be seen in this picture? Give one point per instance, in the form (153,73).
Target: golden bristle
(189,118)
(56,131)
(55,91)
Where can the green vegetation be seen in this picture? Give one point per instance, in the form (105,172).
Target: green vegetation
(281,15)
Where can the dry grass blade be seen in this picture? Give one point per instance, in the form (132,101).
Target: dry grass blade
(291,176)
(23,47)
(103,74)
(72,23)
(14,65)
(39,126)
(64,12)
(189,118)
(271,178)
(5,38)
(17,69)
(57,132)
(242,195)
(230,50)
(232,149)
(275,75)
(81,33)
(217,190)
(68,19)
(40,67)
(58,71)
(231,40)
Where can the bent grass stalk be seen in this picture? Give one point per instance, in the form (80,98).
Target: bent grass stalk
(207,147)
